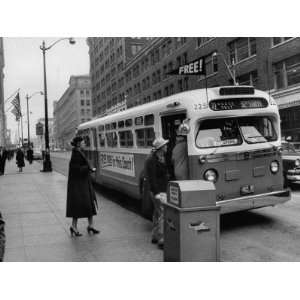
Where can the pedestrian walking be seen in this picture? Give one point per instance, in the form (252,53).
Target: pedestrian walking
(81,198)
(3,157)
(30,155)
(180,154)
(2,238)
(20,159)
(156,173)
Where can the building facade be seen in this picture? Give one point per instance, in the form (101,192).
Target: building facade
(269,63)
(108,57)
(3,135)
(72,109)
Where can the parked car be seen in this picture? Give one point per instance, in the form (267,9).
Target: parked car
(37,155)
(291,163)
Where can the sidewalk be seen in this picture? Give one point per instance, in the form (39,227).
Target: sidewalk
(33,206)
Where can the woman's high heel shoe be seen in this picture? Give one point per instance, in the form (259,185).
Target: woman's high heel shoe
(74,232)
(92,230)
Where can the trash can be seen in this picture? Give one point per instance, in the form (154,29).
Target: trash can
(191,222)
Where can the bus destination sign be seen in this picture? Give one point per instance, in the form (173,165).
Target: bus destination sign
(238,103)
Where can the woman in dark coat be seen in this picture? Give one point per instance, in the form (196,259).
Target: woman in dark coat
(81,198)
(20,159)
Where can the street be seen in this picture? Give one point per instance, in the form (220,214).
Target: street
(266,234)
(33,205)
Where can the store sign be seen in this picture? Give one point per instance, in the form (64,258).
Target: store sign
(196,67)
(117,162)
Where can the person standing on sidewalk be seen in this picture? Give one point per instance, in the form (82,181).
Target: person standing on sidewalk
(30,155)
(20,159)
(156,173)
(2,238)
(81,197)
(3,157)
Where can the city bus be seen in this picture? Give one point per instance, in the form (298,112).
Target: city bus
(234,140)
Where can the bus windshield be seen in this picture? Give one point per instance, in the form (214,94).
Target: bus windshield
(232,131)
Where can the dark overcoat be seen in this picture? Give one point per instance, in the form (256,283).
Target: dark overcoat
(81,198)
(3,158)
(156,174)
(20,159)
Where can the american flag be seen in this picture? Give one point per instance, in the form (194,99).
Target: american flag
(17,107)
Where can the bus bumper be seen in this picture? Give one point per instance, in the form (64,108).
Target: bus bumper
(254,201)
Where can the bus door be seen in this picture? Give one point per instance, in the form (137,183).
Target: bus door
(170,123)
(94,152)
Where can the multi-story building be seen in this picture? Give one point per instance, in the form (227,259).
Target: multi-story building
(73,108)
(268,63)
(2,111)
(108,57)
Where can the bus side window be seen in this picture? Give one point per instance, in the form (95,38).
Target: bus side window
(126,138)
(140,137)
(150,136)
(101,139)
(87,141)
(145,137)
(112,139)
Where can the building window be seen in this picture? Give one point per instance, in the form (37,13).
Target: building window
(171,90)
(88,102)
(81,92)
(166,91)
(178,61)
(186,83)
(279,40)
(248,79)
(287,72)
(87,92)
(135,49)
(242,48)
(203,40)
(180,85)
(82,102)
(82,111)
(211,64)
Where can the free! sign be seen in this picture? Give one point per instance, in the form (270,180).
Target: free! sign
(196,67)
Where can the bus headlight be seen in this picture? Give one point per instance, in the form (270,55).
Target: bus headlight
(211,175)
(297,162)
(274,166)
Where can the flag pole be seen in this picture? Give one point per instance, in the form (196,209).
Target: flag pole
(19,132)
(22,129)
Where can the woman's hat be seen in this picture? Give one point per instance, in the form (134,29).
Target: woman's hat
(76,140)
(159,142)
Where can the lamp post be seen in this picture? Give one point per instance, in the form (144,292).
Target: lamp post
(231,73)
(28,128)
(47,165)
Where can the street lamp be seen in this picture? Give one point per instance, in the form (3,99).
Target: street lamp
(231,73)
(27,98)
(47,166)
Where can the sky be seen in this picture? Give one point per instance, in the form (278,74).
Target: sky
(24,70)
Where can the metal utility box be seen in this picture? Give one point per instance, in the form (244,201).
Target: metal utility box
(191,193)
(191,222)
